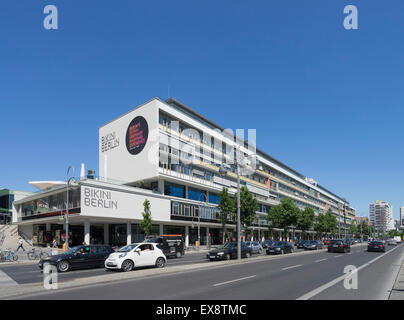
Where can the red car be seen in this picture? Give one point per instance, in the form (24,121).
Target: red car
(326,242)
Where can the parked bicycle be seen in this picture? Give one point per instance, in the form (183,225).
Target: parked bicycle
(37,254)
(8,256)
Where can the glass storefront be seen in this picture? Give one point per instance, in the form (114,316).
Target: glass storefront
(138,234)
(117,235)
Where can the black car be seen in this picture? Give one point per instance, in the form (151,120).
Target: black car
(339,246)
(280,247)
(79,257)
(172,245)
(313,245)
(376,246)
(268,243)
(229,251)
(300,244)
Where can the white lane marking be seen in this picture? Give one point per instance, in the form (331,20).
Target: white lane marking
(222,283)
(299,265)
(6,281)
(338,256)
(320,289)
(320,260)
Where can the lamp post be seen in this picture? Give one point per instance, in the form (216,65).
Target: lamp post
(223,171)
(199,218)
(69,180)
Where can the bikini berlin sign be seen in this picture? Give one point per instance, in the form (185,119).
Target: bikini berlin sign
(136,135)
(98,198)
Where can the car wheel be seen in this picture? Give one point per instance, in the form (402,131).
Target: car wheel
(178,254)
(160,262)
(63,266)
(228,257)
(127,265)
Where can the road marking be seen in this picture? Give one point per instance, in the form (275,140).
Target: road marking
(299,265)
(338,256)
(222,283)
(320,260)
(320,289)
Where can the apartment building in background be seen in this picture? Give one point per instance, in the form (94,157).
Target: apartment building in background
(381,216)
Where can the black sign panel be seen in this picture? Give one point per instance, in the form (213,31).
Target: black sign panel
(136,135)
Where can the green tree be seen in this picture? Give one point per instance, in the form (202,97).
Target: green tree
(227,209)
(305,219)
(146,223)
(320,224)
(353,230)
(248,207)
(284,215)
(331,223)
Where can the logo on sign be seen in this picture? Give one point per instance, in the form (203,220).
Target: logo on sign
(136,135)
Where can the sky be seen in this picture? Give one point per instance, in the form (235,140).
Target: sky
(324,100)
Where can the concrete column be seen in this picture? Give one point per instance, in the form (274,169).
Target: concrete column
(48,227)
(186,192)
(187,236)
(161,229)
(128,233)
(87,232)
(106,233)
(161,186)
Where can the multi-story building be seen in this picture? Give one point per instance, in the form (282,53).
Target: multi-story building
(7,198)
(167,153)
(381,216)
(401,218)
(358,220)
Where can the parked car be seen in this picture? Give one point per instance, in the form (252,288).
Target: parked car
(301,243)
(268,243)
(79,257)
(255,246)
(280,247)
(229,251)
(339,246)
(391,242)
(136,255)
(326,242)
(313,245)
(172,245)
(376,246)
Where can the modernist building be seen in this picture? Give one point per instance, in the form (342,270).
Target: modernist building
(7,198)
(401,218)
(381,216)
(167,153)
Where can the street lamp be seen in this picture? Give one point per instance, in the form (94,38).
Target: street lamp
(223,171)
(199,218)
(72,181)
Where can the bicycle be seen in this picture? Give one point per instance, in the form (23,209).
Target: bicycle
(8,256)
(37,254)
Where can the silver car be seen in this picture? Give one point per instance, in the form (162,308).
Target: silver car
(255,246)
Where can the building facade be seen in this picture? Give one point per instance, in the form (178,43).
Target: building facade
(167,153)
(401,218)
(7,198)
(381,216)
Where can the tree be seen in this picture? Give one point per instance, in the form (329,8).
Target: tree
(248,207)
(284,215)
(305,219)
(227,208)
(146,223)
(353,230)
(331,222)
(321,224)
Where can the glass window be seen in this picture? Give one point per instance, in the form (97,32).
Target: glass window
(195,194)
(175,190)
(214,198)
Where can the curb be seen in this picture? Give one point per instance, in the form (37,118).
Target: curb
(397,292)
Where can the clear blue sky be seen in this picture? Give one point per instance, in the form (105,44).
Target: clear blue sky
(326,101)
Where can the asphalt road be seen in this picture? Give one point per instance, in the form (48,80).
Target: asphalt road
(30,273)
(308,276)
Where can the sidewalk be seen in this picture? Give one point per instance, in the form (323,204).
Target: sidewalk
(397,292)
(23,256)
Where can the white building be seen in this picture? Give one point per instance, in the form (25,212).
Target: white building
(402,218)
(167,153)
(381,216)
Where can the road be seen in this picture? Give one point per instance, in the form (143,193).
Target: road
(307,276)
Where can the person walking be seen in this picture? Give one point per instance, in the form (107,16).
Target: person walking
(20,243)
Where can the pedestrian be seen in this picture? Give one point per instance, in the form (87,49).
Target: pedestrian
(20,243)
(54,243)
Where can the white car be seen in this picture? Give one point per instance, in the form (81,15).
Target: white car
(136,255)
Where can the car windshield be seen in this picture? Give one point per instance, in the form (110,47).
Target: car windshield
(229,245)
(376,242)
(278,243)
(72,250)
(313,242)
(128,247)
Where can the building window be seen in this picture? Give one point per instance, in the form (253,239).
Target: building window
(174,190)
(195,194)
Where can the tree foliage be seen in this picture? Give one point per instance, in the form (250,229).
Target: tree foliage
(227,209)
(284,215)
(146,223)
